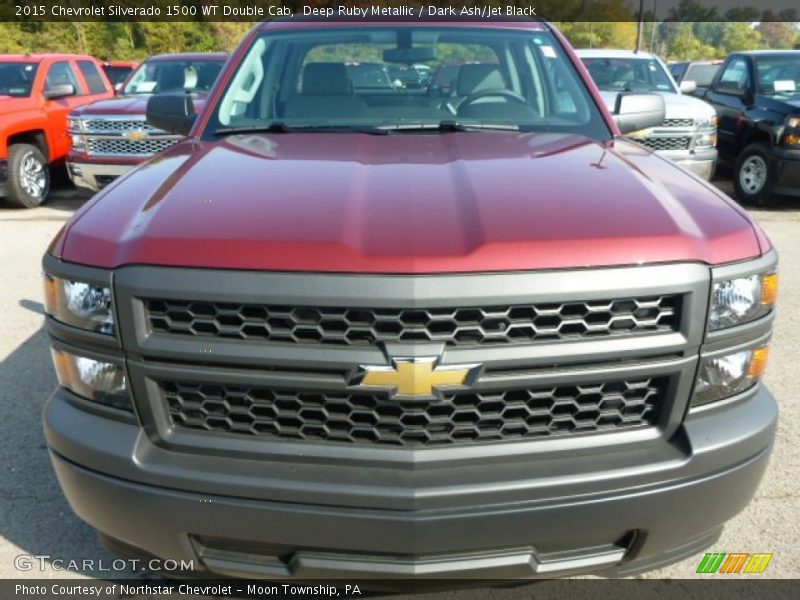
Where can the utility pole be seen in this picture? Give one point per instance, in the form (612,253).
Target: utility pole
(640,26)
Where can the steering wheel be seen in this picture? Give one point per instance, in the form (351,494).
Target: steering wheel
(508,94)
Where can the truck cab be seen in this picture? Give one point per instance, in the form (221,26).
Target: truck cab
(37,92)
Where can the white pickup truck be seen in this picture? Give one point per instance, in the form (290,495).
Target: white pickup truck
(688,135)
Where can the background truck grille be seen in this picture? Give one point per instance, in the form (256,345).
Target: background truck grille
(122,146)
(678,123)
(118,126)
(667,143)
(458,418)
(454,326)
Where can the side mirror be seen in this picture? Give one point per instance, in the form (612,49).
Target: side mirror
(173,113)
(59,91)
(634,111)
(687,87)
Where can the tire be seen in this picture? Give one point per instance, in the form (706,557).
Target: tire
(754,176)
(28,176)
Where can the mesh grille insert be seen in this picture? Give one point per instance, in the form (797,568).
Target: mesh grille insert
(454,326)
(458,418)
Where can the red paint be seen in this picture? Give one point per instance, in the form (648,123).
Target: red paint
(408,204)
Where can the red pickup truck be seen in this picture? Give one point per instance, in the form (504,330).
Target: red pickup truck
(344,331)
(37,92)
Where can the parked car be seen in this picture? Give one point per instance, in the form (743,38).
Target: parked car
(757,99)
(697,74)
(37,91)
(117,71)
(111,137)
(688,135)
(339,333)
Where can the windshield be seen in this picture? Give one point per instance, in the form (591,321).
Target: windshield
(628,74)
(779,76)
(702,74)
(157,76)
(116,74)
(16,78)
(407,78)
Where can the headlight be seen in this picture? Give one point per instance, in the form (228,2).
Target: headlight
(78,142)
(792,138)
(75,124)
(706,139)
(723,376)
(740,300)
(96,380)
(84,305)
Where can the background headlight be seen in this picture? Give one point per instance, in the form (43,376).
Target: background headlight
(78,142)
(723,376)
(74,124)
(83,305)
(96,380)
(737,301)
(707,121)
(792,137)
(706,139)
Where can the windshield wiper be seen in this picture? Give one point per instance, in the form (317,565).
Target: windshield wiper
(281,127)
(450,127)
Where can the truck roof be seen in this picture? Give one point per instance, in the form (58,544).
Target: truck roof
(795,53)
(611,53)
(36,58)
(220,56)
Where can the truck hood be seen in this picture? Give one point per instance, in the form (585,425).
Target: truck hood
(126,105)
(678,106)
(406,203)
(9,104)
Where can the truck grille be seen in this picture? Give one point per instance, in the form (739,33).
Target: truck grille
(678,123)
(118,126)
(454,326)
(125,147)
(457,418)
(667,143)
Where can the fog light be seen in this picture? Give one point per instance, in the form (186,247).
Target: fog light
(723,376)
(99,381)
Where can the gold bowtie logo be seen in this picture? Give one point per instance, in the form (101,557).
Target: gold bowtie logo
(415,377)
(136,135)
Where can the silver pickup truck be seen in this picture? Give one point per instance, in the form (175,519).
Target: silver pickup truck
(688,135)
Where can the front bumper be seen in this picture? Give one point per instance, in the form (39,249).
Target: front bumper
(617,512)
(700,162)
(787,171)
(95,176)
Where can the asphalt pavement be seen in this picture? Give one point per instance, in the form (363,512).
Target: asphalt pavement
(35,519)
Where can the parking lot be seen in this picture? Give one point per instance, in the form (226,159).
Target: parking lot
(34,518)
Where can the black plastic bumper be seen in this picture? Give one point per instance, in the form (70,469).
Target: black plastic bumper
(787,171)
(616,520)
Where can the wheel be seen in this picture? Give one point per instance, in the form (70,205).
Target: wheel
(753,176)
(28,176)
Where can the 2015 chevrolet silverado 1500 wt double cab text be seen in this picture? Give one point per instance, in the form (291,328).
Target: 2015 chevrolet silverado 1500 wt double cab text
(356,332)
